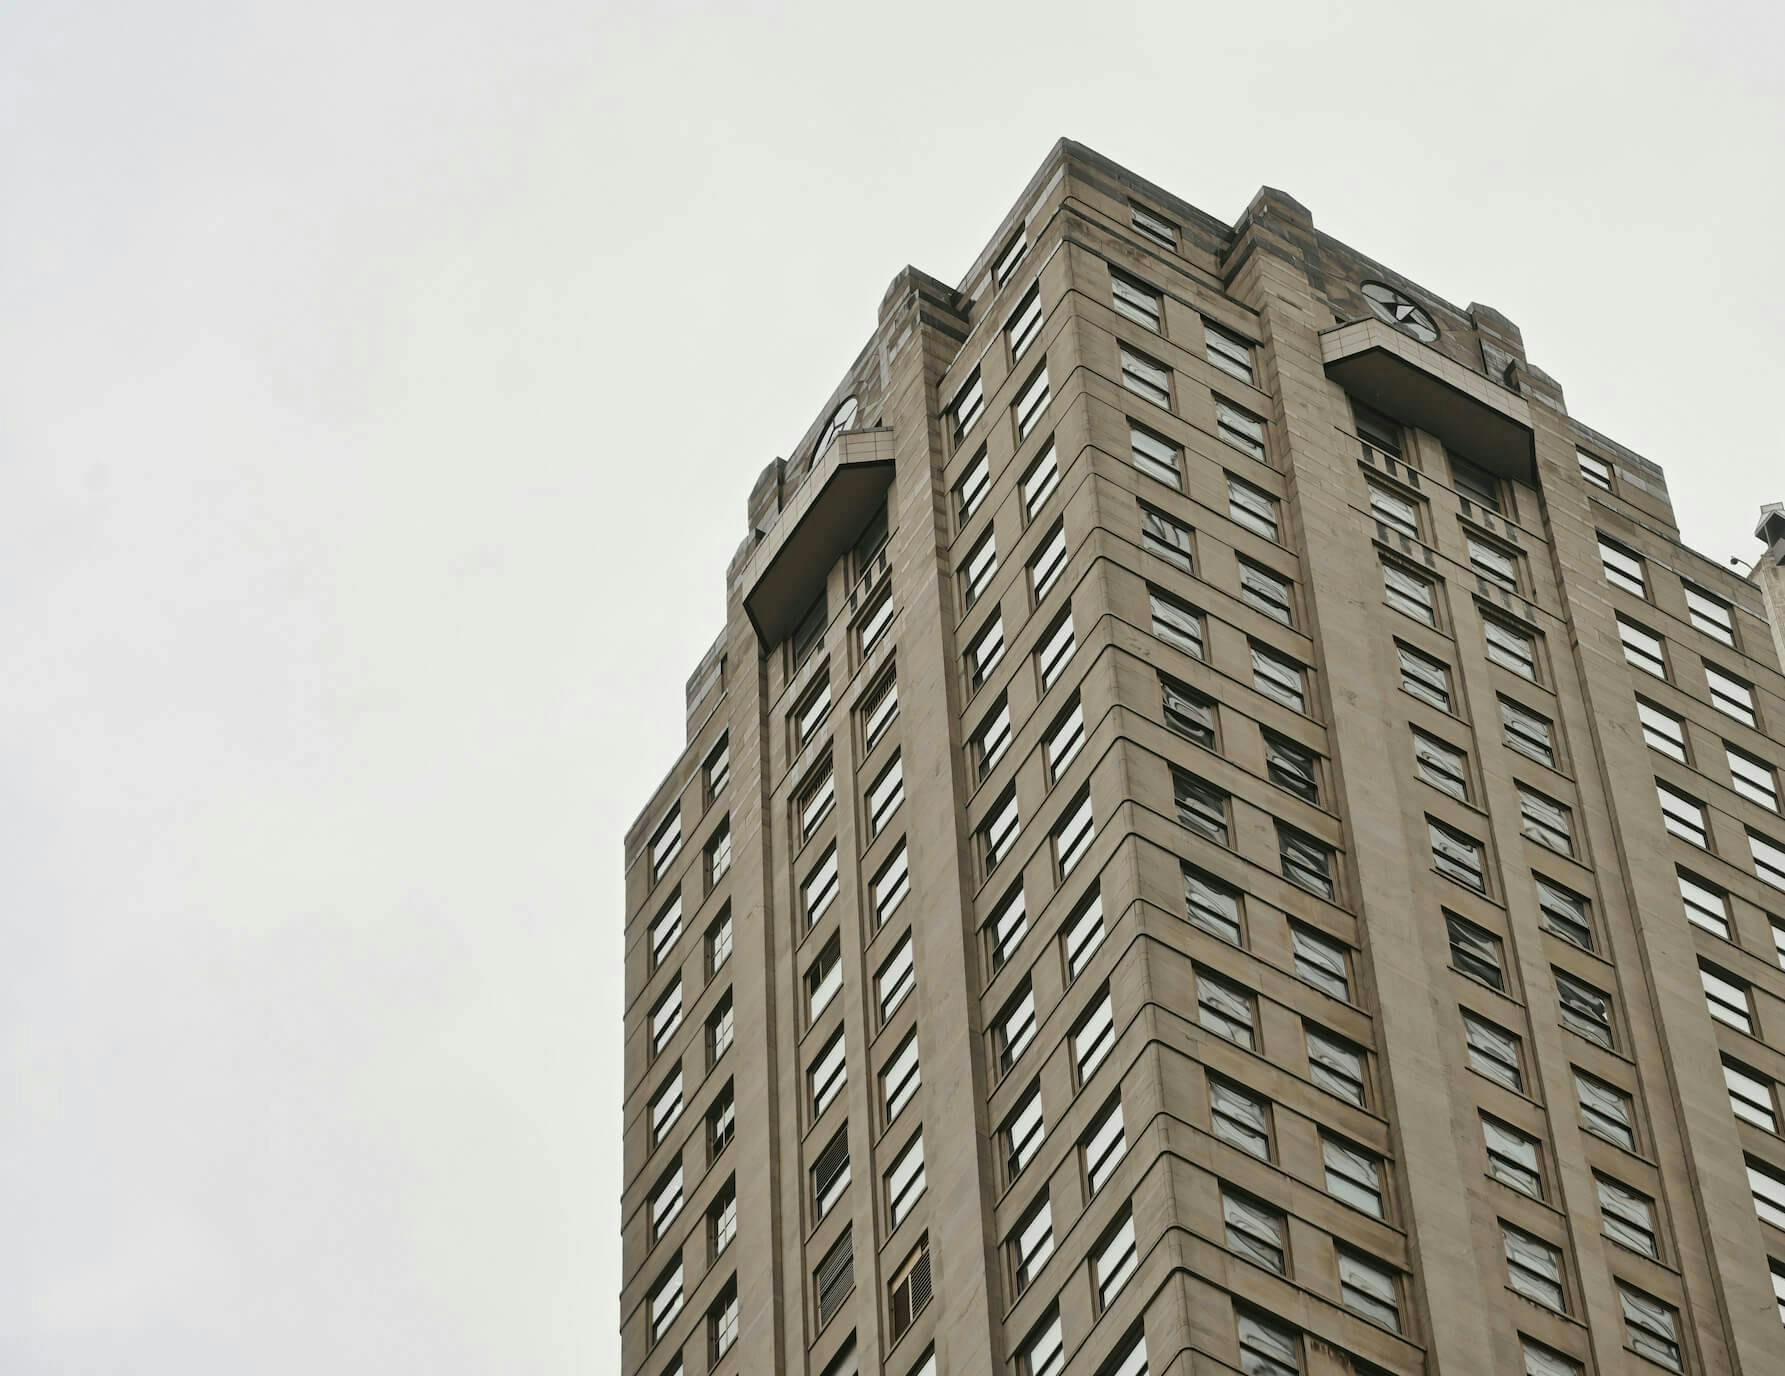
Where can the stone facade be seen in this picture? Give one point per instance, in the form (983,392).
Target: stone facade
(1374,1015)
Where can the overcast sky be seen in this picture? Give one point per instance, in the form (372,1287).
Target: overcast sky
(380,387)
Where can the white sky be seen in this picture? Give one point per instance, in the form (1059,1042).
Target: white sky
(380,387)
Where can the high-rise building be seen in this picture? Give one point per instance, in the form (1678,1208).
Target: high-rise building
(1223,832)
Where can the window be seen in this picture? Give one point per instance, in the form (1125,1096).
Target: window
(1074,834)
(1653,1327)
(969,405)
(1712,615)
(1139,302)
(828,1075)
(830,1174)
(1662,730)
(1606,1111)
(1177,623)
(1032,1243)
(1006,927)
(1253,508)
(1546,1361)
(1306,862)
(1267,592)
(1623,569)
(1015,1028)
(1476,952)
(722,1218)
(1778,1274)
(1225,1008)
(665,843)
(1043,1352)
(976,573)
(721,1028)
(1528,732)
(1753,778)
(1730,696)
(1240,1118)
(718,853)
(1424,677)
(722,1121)
(1377,431)
(816,800)
(875,620)
(905,1182)
(1768,1188)
(820,887)
(1188,712)
(1683,816)
(1585,1010)
(1154,455)
(1155,227)
(1013,254)
(666,1016)
(1023,1133)
(1084,934)
(1056,650)
(1214,906)
(718,940)
(1024,326)
(1094,1037)
(1546,821)
(666,1201)
(1726,998)
(901,1079)
(1510,647)
(895,978)
(1397,512)
(1353,1176)
(1337,1066)
(972,487)
(985,652)
(1267,1348)
(1168,538)
(1534,1267)
(1769,859)
(1642,649)
(1628,1216)
(1514,1158)
(1475,483)
(813,711)
(1040,481)
(1565,913)
(1049,562)
(809,634)
(722,1321)
(666,930)
(1778,941)
(1494,1052)
(1750,1096)
(1279,678)
(890,885)
(1321,961)
(1456,856)
(1369,1288)
(998,833)
(1114,1260)
(824,976)
(1201,806)
(1243,430)
(1409,593)
(718,768)
(992,739)
(1597,472)
(1292,767)
(871,543)
(666,1106)
(1227,351)
(1255,1230)
(835,1277)
(1493,562)
(665,1302)
(1104,1146)
(879,709)
(885,795)
(1706,907)
(1442,766)
(1146,377)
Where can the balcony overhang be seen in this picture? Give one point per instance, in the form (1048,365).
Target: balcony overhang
(1413,382)
(787,570)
